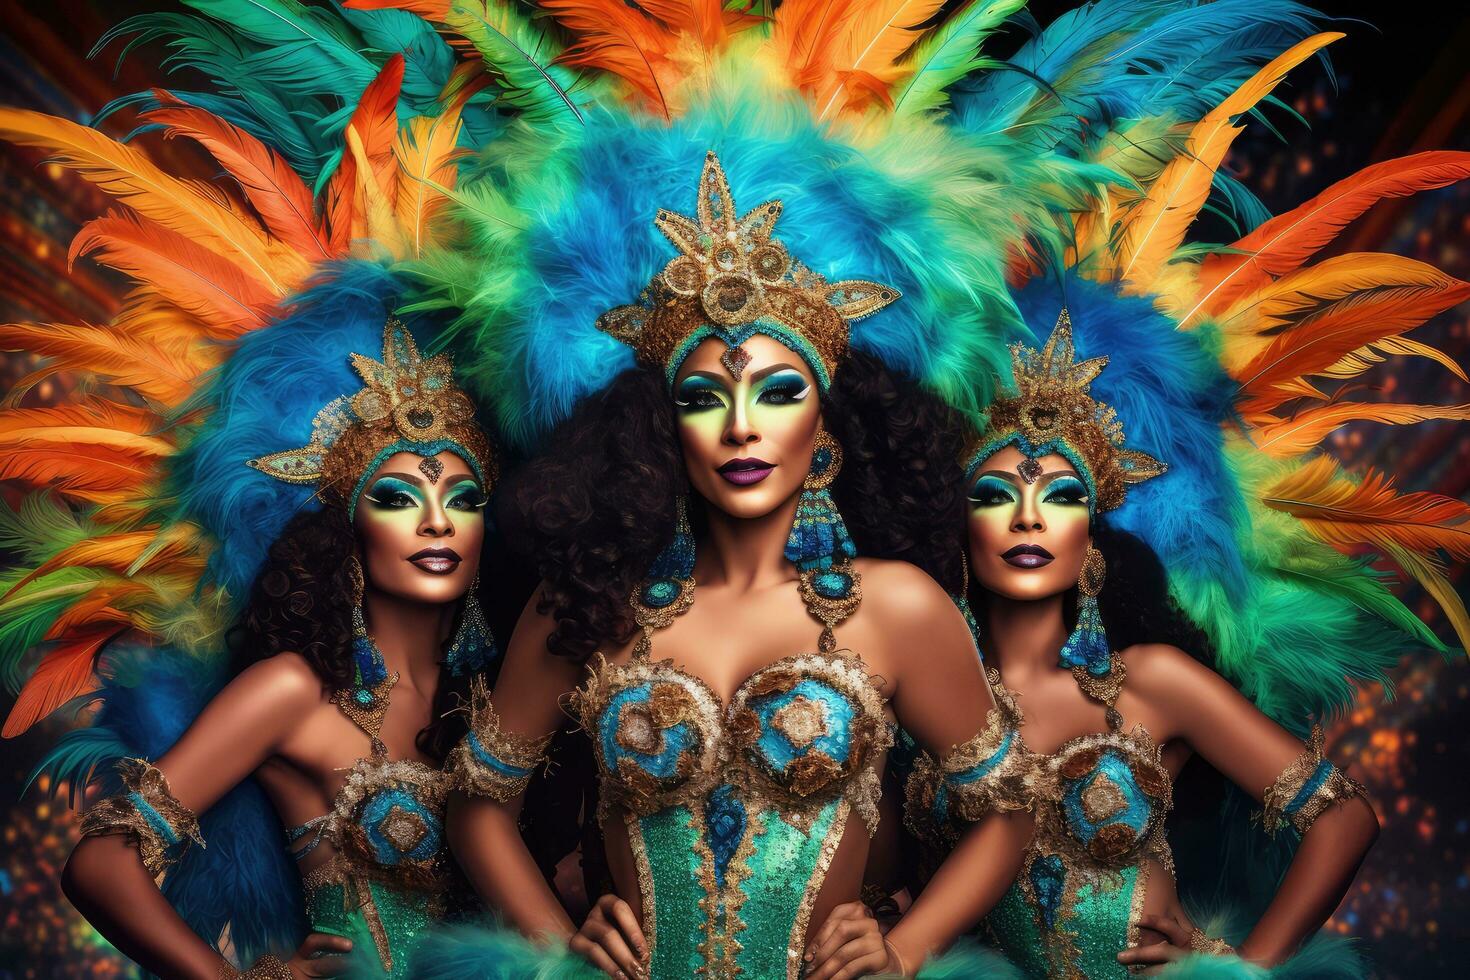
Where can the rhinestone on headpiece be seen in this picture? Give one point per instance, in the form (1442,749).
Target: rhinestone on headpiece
(408,403)
(730,280)
(1052,412)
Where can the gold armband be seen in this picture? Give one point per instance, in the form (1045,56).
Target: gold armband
(490,762)
(159,825)
(986,773)
(1305,789)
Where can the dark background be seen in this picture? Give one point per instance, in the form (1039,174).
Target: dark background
(1401,88)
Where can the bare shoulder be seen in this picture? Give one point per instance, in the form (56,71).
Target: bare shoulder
(897,593)
(286,678)
(1159,670)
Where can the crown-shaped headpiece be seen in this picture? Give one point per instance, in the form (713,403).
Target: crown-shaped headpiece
(730,280)
(1052,412)
(408,404)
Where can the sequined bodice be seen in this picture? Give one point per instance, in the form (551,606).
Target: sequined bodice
(1110,793)
(385,881)
(734,812)
(803,729)
(1101,803)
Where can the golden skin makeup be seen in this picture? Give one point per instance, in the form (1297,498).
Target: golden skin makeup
(747,443)
(1027,538)
(420,523)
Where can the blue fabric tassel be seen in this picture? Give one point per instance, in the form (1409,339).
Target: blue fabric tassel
(819,537)
(1088,645)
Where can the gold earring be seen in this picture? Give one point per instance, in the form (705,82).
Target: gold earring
(1094,573)
(826,462)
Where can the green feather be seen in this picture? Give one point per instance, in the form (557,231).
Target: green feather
(950,53)
(521,53)
(39,528)
(27,614)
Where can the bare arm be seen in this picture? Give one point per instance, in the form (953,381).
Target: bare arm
(1252,751)
(482,831)
(943,700)
(105,877)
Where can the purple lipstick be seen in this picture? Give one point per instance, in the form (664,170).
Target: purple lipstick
(436,561)
(746,472)
(1027,556)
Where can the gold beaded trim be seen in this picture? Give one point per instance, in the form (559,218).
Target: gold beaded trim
(1281,797)
(1202,942)
(159,825)
(268,967)
(489,761)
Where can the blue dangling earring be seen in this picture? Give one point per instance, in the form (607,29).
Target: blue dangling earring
(819,538)
(1088,646)
(673,569)
(473,646)
(366,701)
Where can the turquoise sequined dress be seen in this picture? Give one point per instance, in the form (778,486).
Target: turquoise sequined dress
(733,812)
(385,883)
(1100,804)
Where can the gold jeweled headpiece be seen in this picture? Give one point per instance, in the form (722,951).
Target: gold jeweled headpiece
(730,280)
(407,404)
(1052,412)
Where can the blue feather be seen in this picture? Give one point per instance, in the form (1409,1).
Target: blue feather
(592,245)
(263,400)
(1172,397)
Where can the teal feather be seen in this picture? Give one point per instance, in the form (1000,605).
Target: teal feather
(427,58)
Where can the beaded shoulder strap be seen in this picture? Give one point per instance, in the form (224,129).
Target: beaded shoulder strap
(830,594)
(1105,689)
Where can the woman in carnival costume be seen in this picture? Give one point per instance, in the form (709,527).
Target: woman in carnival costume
(342,560)
(1220,513)
(361,613)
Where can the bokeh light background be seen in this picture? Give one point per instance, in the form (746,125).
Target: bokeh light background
(1401,87)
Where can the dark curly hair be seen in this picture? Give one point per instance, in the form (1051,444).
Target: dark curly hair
(598,506)
(301,602)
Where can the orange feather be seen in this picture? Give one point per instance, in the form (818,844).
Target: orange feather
(94,609)
(125,553)
(368,172)
(1348,514)
(190,208)
(64,673)
(1153,231)
(96,451)
(707,21)
(196,280)
(1337,325)
(1365,357)
(435,10)
(805,36)
(275,190)
(1285,242)
(161,375)
(616,38)
(427,152)
(1307,429)
(872,41)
